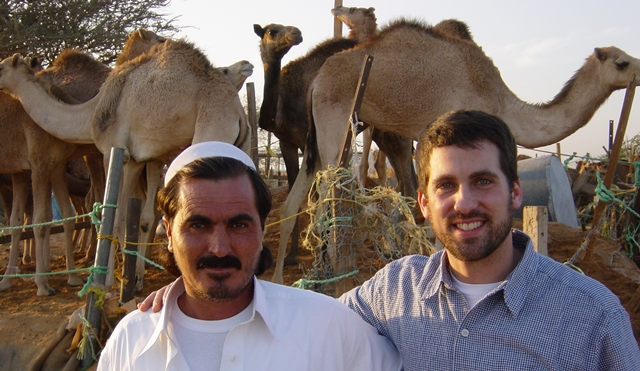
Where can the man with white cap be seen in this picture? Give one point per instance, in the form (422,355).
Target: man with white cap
(217,314)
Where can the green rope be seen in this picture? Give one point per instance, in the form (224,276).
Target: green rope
(566,162)
(18,275)
(94,270)
(607,196)
(140,256)
(97,208)
(303,283)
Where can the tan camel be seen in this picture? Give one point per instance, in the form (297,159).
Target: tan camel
(419,74)
(169,100)
(80,77)
(362,24)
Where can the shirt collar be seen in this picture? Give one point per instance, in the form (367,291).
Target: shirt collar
(515,286)
(177,288)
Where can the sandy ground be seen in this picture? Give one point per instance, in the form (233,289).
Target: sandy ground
(29,324)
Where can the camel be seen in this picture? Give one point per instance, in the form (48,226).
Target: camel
(284,106)
(79,77)
(169,99)
(418,75)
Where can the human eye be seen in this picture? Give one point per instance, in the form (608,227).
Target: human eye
(485,182)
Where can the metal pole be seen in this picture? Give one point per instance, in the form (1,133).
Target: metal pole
(93,314)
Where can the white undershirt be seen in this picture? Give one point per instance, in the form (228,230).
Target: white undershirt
(473,292)
(201,342)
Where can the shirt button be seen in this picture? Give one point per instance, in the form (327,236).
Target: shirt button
(233,358)
(464,332)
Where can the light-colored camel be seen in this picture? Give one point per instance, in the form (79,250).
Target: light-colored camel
(170,99)
(79,77)
(419,74)
(362,24)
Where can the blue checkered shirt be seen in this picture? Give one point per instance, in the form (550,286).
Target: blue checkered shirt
(544,316)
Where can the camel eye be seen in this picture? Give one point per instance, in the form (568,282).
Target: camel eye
(621,65)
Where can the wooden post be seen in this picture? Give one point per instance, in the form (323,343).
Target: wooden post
(610,136)
(535,223)
(253,121)
(129,267)
(341,251)
(558,151)
(337,25)
(611,169)
(93,314)
(267,161)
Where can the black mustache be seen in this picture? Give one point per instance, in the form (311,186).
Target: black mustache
(212,261)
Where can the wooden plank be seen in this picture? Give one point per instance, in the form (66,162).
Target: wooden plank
(535,224)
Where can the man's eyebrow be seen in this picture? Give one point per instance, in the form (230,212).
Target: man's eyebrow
(242,217)
(485,173)
(198,218)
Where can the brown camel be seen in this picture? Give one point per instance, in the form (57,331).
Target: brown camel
(79,77)
(171,98)
(420,74)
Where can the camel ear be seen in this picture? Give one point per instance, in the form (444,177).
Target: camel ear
(370,10)
(15,59)
(601,54)
(143,34)
(34,62)
(258,30)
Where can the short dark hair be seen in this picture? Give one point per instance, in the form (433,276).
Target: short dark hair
(215,168)
(466,129)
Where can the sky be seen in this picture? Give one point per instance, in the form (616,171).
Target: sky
(536,45)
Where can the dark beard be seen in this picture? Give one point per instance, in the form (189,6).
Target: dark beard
(472,250)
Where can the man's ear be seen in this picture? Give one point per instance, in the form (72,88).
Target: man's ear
(516,195)
(424,204)
(167,228)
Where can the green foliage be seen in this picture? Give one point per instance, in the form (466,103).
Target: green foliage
(44,28)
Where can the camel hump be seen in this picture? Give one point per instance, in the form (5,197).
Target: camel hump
(139,42)
(454,28)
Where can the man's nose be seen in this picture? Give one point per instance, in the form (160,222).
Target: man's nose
(219,242)
(465,200)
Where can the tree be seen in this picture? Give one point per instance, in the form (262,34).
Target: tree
(44,28)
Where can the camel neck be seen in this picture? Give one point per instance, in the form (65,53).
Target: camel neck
(269,107)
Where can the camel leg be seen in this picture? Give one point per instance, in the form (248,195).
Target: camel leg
(363,167)
(148,217)
(96,194)
(61,191)
(41,183)
(290,155)
(20,182)
(291,206)
(381,167)
(400,152)
(29,248)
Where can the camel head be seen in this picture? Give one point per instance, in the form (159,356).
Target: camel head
(139,42)
(13,70)
(615,67)
(353,17)
(238,73)
(276,40)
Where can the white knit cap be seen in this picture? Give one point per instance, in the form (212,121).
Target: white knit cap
(206,149)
